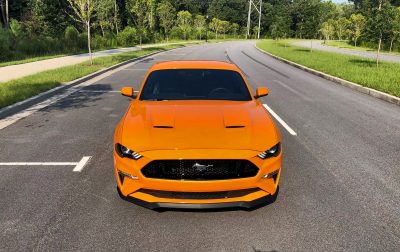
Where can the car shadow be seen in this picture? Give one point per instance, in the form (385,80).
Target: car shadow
(83,98)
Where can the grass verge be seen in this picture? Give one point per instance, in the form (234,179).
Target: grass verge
(21,89)
(385,78)
(345,44)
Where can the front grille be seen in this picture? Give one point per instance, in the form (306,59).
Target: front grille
(200,169)
(199,195)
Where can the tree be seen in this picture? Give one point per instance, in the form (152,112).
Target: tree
(341,27)
(140,9)
(224,27)
(377,25)
(199,24)
(308,14)
(328,29)
(104,10)
(394,23)
(84,11)
(215,26)
(234,28)
(184,22)
(357,26)
(166,15)
(280,27)
(4,13)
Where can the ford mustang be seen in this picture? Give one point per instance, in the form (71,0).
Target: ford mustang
(195,136)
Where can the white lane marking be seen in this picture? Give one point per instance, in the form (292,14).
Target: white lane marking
(291,89)
(282,122)
(37,163)
(79,167)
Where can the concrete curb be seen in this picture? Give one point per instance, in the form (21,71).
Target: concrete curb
(369,91)
(13,108)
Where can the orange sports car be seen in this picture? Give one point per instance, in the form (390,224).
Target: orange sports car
(196,137)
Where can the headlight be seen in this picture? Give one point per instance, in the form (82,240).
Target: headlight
(125,152)
(273,152)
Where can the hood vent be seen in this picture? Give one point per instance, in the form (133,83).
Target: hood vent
(234,126)
(162,127)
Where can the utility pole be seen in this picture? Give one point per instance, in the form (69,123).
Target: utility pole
(257,6)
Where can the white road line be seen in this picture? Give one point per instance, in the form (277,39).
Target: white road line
(79,167)
(37,163)
(282,122)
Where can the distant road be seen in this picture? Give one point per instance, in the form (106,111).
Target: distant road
(372,55)
(18,71)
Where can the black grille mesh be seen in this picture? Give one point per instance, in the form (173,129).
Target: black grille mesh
(200,169)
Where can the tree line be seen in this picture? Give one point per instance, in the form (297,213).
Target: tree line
(36,27)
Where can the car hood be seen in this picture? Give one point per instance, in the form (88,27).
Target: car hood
(175,125)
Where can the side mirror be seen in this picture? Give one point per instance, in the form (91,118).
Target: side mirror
(261,91)
(127,91)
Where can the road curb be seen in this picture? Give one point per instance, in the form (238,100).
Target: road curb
(16,107)
(369,91)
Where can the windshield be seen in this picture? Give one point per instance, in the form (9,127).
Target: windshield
(195,84)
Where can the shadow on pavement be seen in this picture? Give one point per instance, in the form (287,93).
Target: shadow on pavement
(86,97)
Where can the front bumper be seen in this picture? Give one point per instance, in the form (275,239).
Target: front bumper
(136,190)
(202,206)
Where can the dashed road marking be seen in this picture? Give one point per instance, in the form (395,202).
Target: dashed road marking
(78,166)
(279,119)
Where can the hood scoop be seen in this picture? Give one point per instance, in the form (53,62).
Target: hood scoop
(163,118)
(234,119)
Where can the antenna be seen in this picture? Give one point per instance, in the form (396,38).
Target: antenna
(256,4)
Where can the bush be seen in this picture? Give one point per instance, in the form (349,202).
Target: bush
(16,28)
(176,33)
(71,37)
(128,37)
(6,43)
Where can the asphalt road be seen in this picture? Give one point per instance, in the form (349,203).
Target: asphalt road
(318,45)
(340,187)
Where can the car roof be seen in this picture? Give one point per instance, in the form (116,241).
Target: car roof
(194,64)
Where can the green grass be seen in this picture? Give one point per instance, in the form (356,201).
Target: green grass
(21,89)
(345,44)
(385,78)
